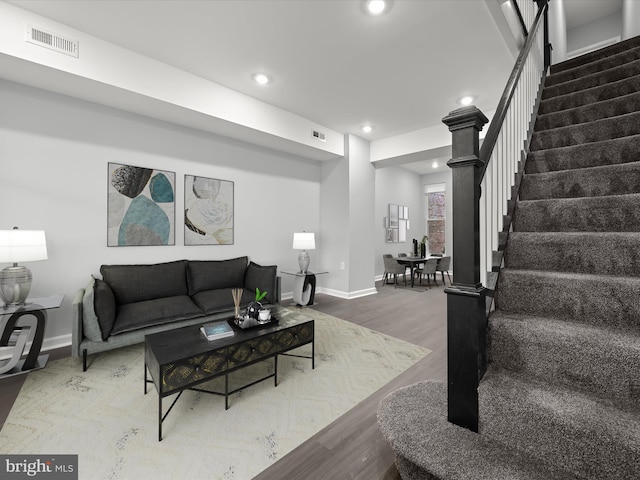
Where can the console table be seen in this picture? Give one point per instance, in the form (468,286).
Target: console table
(15,336)
(181,359)
(304,289)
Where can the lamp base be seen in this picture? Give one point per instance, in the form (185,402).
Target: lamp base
(15,284)
(303,261)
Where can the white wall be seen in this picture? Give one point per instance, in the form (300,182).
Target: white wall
(630,18)
(401,187)
(593,32)
(54,152)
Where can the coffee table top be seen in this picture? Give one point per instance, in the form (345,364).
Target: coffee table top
(185,342)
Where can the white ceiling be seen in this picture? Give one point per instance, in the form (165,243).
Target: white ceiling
(330,62)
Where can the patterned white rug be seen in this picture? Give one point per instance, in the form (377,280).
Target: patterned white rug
(103,415)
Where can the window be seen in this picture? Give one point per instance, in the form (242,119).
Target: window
(436,217)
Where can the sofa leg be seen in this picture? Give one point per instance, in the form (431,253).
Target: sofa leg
(84,360)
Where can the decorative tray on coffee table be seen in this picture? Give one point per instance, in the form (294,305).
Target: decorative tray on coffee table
(253,323)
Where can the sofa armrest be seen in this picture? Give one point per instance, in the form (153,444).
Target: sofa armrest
(77,334)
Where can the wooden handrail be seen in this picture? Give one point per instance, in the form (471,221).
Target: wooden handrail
(498,118)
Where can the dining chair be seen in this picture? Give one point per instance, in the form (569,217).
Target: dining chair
(392,267)
(428,269)
(443,267)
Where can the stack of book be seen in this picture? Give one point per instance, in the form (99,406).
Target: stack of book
(217,330)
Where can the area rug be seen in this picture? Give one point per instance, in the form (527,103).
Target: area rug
(103,415)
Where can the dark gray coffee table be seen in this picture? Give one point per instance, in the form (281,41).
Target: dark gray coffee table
(181,359)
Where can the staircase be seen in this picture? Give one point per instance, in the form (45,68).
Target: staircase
(561,395)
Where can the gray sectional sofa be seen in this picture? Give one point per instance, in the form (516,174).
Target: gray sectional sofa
(131,301)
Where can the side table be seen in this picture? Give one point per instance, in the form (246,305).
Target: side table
(15,337)
(304,289)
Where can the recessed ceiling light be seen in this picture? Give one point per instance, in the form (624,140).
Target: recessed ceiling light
(376,7)
(367,128)
(466,100)
(435,164)
(261,78)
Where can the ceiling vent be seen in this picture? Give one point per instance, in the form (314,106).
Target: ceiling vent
(53,41)
(318,135)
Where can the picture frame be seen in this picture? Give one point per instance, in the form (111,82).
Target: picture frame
(208,211)
(140,206)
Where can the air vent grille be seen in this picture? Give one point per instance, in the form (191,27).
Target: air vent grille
(53,41)
(318,135)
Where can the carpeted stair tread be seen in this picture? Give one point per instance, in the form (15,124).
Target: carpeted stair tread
(570,354)
(588,113)
(587,96)
(605,152)
(608,301)
(560,426)
(606,253)
(413,420)
(604,129)
(614,213)
(584,182)
(596,66)
(595,79)
(596,55)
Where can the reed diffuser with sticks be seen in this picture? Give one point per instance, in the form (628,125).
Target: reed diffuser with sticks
(237,295)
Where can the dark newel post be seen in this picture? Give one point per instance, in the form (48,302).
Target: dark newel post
(466,315)
(547,45)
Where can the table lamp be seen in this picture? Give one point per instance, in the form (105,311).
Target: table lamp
(19,246)
(304,241)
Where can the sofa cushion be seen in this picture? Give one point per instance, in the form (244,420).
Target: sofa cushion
(215,301)
(215,274)
(262,277)
(133,316)
(99,310)
(137,283)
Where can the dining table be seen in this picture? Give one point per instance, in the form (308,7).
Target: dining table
(413,263)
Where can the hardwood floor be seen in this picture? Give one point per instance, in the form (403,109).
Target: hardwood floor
(352,446)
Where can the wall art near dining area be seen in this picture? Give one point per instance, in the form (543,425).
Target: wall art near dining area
(208,211)
(140,206)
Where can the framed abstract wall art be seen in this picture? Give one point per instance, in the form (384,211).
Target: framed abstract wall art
(208,211)
(140,206)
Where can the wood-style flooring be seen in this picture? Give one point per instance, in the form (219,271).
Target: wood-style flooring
(352,446)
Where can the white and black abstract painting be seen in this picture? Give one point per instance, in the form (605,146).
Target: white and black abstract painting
(140,206)
(208,211)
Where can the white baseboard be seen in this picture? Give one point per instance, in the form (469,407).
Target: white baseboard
(336,293)
(56,342)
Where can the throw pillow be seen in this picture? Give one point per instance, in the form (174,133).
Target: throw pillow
(105,307)
(99,310)
(264,278)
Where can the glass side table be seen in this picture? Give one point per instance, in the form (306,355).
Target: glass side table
(304,289)
(24,324)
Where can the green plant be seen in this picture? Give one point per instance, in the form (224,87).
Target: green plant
(424,239)
(260,295)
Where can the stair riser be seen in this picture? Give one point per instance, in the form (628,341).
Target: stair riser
(609,152)
(591,214)
(606,129)
(602,301)
(596,254)
(560,429)
(589,182)
(590,95)
(597,79)
(563,354)
(595,67)
(589,113)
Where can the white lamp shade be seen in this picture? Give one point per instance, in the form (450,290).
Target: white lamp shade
(22,246)
(304,241)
